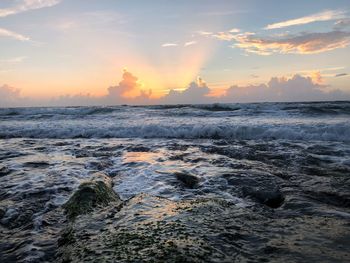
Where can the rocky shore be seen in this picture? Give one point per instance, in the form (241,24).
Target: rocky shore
(102,228)
(174,201)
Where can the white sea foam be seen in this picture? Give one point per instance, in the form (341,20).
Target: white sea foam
(323,132)
(292,121)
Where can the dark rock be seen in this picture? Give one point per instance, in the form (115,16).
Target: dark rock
(99,165)
(37,164)
(4,170)
(138,148)
(189,180)
(270,197)
(96,192)
(2,212)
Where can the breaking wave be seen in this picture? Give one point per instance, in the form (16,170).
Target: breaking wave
(339,132)
(325,121)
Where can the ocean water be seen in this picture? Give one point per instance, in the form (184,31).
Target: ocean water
(324,121)
(45,153)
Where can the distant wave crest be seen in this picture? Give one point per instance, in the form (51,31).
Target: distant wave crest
(339,132)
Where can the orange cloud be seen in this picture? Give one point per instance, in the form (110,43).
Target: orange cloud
(297,88)
(129,87)
(306,43)
(316,77)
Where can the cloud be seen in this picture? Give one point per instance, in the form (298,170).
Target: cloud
(128,85)
(9,96)
(297,88)
(302,43)
(129,90)
(7,33)
(234,30)
(204,33)
(26,5)
(305,43)
(190,43)
(196,92)
(169,45)
(224,36)
(341,75)
(316,77)
(13,60)
(341,24)
(322,16)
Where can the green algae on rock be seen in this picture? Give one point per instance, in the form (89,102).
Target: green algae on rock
(154,229)
(90,194)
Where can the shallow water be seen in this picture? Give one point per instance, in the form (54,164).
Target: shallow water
(302,149)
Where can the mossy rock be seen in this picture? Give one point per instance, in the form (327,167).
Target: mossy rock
(97,192)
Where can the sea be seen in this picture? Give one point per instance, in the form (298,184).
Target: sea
(46,152)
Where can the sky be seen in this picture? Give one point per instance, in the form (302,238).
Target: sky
(96,52)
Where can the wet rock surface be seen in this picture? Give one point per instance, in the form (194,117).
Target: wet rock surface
(189,180)
(235,201)
(4,170)
(152,229)
(91,194)
(270,197)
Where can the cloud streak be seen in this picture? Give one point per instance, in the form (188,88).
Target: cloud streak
(305,43)
(26,5)
(190,43)
(322,16)
(341,75)
(14,60)
(7,33)
(169,45)
(342,24)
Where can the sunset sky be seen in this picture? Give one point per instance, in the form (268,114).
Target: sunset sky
(51,48)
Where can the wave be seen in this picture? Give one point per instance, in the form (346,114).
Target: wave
(248,109)
(304,108)
(218,107)
(47,112)
(319,108)
(320,132)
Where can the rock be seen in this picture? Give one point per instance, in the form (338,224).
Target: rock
(4,170)
(2,212)
(153,229)
(270,197)
(189,180)
(96,192)
(145,229)
(37,164)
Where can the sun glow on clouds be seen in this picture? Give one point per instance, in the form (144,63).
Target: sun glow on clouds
(304,43)
(98,42)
